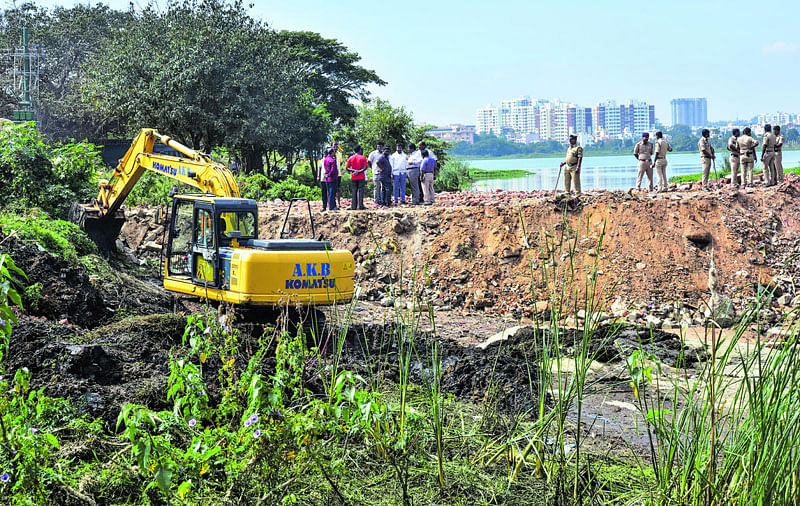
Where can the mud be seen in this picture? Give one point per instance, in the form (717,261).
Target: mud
(102,370)
(66,290)
(504,373)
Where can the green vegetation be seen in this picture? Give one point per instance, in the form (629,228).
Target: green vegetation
(279,419)
(499,174)
(725,172)
(61,238)
(38,174)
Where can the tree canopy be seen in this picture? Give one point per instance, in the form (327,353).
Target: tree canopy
(202,71)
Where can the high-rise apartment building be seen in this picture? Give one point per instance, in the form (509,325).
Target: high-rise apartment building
(637,117)
(488,120)
(692,112)
(556,120)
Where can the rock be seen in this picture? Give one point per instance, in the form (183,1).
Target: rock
(640,266)
(784,300)
(500,336)
(152,246)
(796,301)
(721,310)
(387,301)
(653,321)
(618,308)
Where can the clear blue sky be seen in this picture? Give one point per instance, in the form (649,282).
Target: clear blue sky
(443,59)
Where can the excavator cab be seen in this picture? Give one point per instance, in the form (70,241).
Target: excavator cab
(213,251)
(202,231)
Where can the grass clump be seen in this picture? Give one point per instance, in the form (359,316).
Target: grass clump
(724,172)
(499,174)
(59,237)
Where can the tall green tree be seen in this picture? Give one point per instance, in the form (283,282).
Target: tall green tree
(380,121)
(331,72)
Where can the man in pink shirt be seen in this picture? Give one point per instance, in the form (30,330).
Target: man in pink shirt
(332,180)
(357,167)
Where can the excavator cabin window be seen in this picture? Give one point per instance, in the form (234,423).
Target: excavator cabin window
(204,229)
(236,224)
(180,245)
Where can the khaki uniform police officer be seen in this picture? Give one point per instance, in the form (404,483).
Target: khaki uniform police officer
(706,155)
(573,162)
(642,151)
(779,140)
(768,156)
(661,148)
(747,156)
(733,147)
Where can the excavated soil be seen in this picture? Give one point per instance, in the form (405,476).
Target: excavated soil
(487,251)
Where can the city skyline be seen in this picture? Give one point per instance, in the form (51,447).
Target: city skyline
(452,56)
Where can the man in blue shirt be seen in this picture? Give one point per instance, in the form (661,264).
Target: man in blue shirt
(426,170)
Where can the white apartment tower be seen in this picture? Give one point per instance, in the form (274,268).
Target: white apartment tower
(488,120)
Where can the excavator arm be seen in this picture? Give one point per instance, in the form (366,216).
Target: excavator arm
(103,219)
(196,169)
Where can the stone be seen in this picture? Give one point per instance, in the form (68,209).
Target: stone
(784,300)
(653,321)
(640,266)
(500,336)
(387,301)
(152,246)
(796,301)
(618,308)
(721,310)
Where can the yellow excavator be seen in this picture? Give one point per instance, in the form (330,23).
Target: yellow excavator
(211,248)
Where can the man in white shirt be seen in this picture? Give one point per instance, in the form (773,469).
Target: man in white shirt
(372,160)
(399,160)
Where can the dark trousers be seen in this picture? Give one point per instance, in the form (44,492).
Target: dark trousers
(413,181)
(333,187)
(324,186)
(386,190)
(358,186)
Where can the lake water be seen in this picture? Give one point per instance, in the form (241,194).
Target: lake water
(609,172)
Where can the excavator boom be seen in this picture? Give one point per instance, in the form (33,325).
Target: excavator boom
(102,219)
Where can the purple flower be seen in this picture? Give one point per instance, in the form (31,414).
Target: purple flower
(247,423)
(253,419)
(207,330)
(2,322)
(5,477)
(33,430)
(257,433)
(192,422)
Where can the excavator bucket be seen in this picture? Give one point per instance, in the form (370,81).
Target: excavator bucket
(103,230)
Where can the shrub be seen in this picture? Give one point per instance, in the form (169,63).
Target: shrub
(36,174)
(453,176)
(259,187)
(59,237)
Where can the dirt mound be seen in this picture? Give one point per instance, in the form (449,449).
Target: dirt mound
(87,293)
(101,371)
(65,288)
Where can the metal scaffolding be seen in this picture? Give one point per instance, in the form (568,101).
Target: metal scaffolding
(23,76)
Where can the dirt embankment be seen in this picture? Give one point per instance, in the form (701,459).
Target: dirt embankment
(490,250)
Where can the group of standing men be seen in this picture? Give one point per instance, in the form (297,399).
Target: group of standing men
(390,171)
(649,156)
(743,154)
